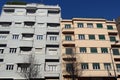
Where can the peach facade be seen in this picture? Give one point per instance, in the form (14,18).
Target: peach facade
(89,49)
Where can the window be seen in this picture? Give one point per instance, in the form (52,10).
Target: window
(53,38)
(83,50)
(81,37)
(80,25)
(3,37)
(39,37)
(107,66)
(101,37)
(84,65)
(91,37)
(68,38)
(112,38)
(69,51)
(23,67)
(13,50)
(69,67)
(89,25)
(104,50)
(15,36)
(109,27)
(52,67)
(93,50)
(67,26)
(9,67)
(1,60)
(115,52)
(1,51)
(96,66)
(118,67)
(9,10)
(99,25)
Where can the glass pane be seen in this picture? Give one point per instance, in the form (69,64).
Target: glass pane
(69,67)
(101,37)
(110,27)
(81,36)
(104,50)
(112,39)
(68,38)
(69,50)
(99,26)
(118,67)
(80,25)
(84,65)
(89,25)
(96,66)
(115,52)
(67,26)
(93,50)
(82,50)
(107,66)
(91,37)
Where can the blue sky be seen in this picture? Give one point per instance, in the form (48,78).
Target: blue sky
(109,9)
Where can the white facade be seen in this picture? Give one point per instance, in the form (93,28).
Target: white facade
(31,28)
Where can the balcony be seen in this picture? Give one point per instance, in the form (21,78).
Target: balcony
(69,43)
(28,30)
(25,50)
(26,43)
(52,75)
(29,24)
(27,36)
(51,56)
(53,42)
(68,30)
(30,18)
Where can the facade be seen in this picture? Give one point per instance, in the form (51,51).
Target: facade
(118,24)
(90,49)
(30,29)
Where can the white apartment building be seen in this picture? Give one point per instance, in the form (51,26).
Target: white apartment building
(30,29)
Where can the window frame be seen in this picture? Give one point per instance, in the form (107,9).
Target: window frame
(114,51)
(13,50)
(67,26)
(96,66)
(84,66)
(99,25)
(68,51)
(81,36)
(80,25)
(15,36)
(82,49)
(109,27)
(112,38)
(9,67)
(39,37)
(68,37)
(104,50)
(93,50)
(91,37)
(101,37)
(107,66)
(89,25)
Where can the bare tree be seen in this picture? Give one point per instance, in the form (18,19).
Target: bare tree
(72,67)
(29,69)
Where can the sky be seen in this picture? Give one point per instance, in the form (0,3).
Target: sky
(108,9)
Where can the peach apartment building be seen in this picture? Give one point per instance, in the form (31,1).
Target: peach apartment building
(90,49)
